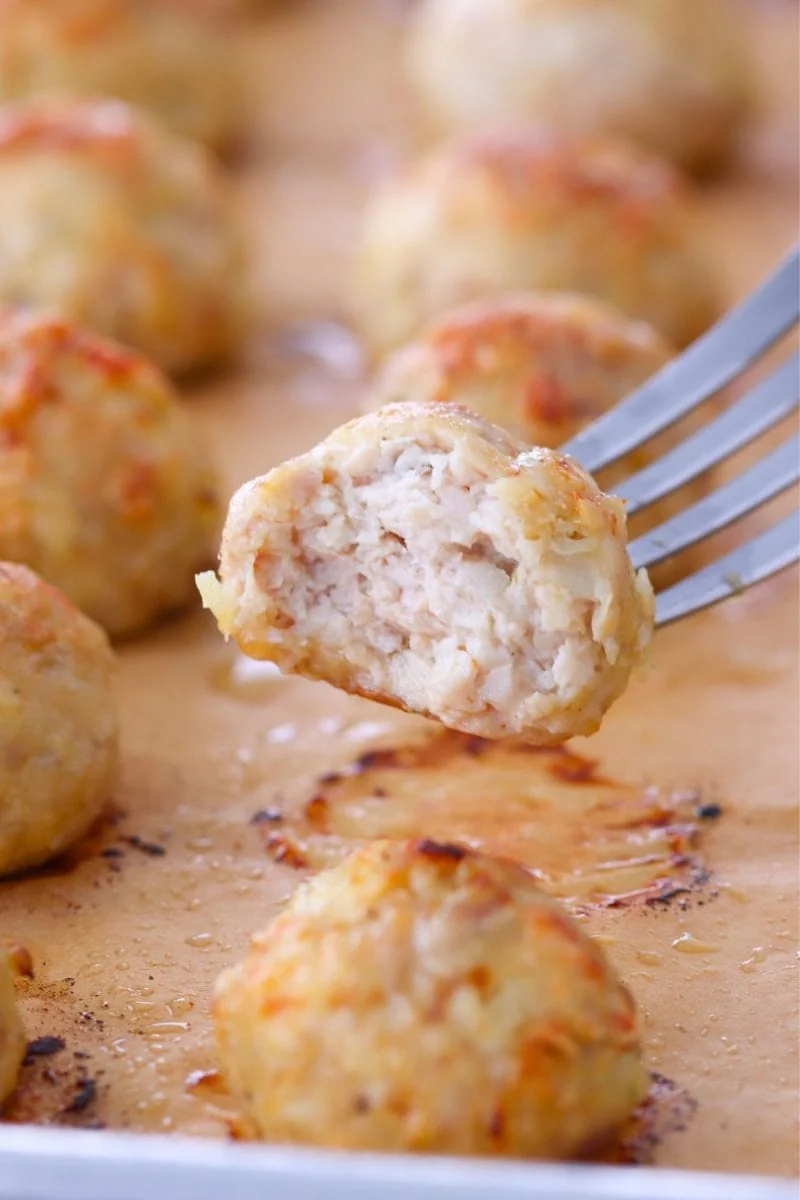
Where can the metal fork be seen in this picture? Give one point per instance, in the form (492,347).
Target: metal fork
(722,354)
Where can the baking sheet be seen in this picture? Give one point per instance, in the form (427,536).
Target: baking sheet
(127,934)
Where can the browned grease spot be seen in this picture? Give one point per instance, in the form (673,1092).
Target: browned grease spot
(282,848)
(439,851)
(667,1109)
(588,839)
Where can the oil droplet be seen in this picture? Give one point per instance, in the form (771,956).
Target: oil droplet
(734,891)
(159,1028)
(325,344)
(363,731)
(202,1079)
(687,943)
(330,725)
(282,734)
(200,941)
(650,958)
(179,1005)
(245,679)
(757,955)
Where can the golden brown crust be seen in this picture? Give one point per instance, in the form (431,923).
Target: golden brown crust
(58,734)
(107,489)
(423,997)
(160,54)
(680,85)
(492,214)
(541,365)
(110,220)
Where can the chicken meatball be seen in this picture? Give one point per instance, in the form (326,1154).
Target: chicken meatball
(58,732)
(106,489)
(495,214)
(540,365)
(423,997)
(671,75)
(422,557)
(12,1037)
(156,53)
(543,366)
(109,220)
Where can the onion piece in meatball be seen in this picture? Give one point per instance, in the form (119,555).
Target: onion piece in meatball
(58,721)
(424,997)
(422,557)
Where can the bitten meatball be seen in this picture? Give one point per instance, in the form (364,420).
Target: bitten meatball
(424,997)
(58,725)
(422,557)
(483,216)
(12,1037)
(106,489)
(671,75)
(109,220)
(156,53)
(540,365)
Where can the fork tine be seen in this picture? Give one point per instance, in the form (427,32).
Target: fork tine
(769,402)
(772,551)
(754,487)
(711,363)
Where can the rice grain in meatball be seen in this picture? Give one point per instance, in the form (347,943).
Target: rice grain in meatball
(106,488)
(58,723)
(422,557)
(671,75)
(424,997)
(159,54)
(488,215)
(110,220)
(12,1036)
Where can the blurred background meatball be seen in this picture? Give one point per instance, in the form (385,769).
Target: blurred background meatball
(106,488)
(160,54)
(107,218)
(12,1037)
(486,215)
(58,732)
(671,75)
(542,365)
(424,997)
